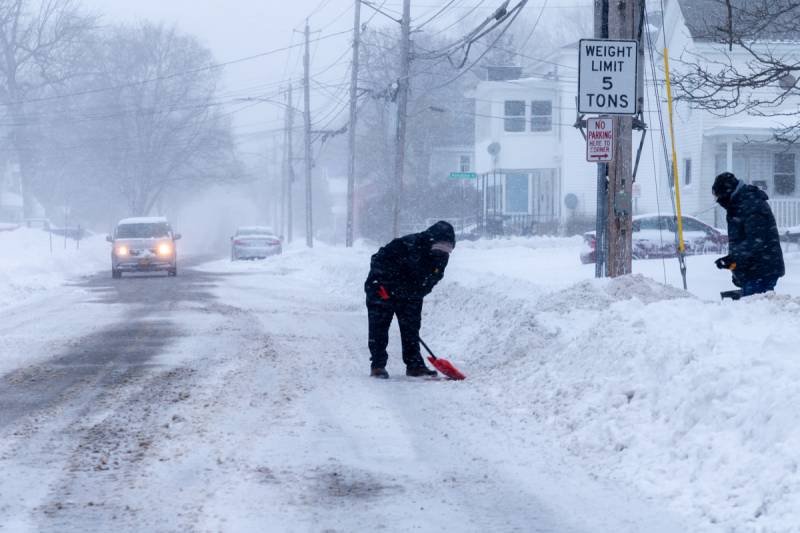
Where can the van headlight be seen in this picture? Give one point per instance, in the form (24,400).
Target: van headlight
(164,249)
(122,251)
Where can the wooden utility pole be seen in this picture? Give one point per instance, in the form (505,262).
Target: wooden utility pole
(307,120)
(290,159)
(402,109)
(622,15)
(290,165)
(351,163)
(600,248)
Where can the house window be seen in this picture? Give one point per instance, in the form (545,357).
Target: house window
(515,115)
(541,115)
(517,193)
(464,163)
(784,174)
(687,171)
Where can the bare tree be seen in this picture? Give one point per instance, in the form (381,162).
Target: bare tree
(164,130)
(755,70)
(37,39)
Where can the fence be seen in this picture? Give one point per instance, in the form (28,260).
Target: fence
(786,211)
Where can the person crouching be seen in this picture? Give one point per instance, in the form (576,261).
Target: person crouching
(755,257)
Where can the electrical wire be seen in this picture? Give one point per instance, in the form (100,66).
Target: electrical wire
(519,9)
(657,95)
(179,74)
(436,15)
(535,25)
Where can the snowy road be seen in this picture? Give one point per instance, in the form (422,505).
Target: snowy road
(237,400)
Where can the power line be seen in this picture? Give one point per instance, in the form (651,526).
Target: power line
(460,19)
(518,8)
(535,25)
(436,15)
(213,66)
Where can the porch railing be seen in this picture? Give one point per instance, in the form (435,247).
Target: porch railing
(786,211)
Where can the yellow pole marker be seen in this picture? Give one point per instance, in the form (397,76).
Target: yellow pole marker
(681,246)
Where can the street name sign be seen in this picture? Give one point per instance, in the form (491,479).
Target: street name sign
(599,139)
(463,175)
(607,73)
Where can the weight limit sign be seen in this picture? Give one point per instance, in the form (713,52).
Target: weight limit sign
(607,76)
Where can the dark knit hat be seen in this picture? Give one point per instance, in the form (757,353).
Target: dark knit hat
(442,231)
(724,185)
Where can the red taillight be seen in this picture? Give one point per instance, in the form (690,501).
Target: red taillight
(592,242)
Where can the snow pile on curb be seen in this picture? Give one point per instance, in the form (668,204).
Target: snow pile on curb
(27,266)
(690,401)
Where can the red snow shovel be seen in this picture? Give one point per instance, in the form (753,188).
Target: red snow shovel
(443,365)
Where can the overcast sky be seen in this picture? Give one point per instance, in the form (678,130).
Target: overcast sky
(234,29)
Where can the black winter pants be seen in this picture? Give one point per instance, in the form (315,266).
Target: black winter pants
(409,315)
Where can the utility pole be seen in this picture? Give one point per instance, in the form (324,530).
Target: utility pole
(274,178)
(290,163)
(622,15)
(307,120)
(351,163)
(402,108)
(600,248)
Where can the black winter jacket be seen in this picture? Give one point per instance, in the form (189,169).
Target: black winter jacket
(407,267)
(753,240)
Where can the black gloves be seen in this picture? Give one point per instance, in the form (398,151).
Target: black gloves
(725,263)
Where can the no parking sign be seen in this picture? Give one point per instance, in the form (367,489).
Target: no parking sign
(599,140)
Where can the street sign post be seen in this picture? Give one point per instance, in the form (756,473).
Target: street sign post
(463,175)
(599,140)
(607,73)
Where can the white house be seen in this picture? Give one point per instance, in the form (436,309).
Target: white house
(532,160)
(529,156)
(708,144)
(447,159)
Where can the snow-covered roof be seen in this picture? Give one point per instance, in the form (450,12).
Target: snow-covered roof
(265,230)
(707,20)
(742,125)
(143,220)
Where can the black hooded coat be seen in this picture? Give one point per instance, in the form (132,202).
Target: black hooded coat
(407,267)
(753,240)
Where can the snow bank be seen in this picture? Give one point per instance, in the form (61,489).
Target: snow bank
(692,401)
(27,266)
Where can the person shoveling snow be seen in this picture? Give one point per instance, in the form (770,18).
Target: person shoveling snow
(401,274)
(755,257)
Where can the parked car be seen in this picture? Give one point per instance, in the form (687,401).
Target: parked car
(145,244)
(790,235)
(254,242)
(654,237)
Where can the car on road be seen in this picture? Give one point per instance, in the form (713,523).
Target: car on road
(255,242)
(144,244)
(654,237)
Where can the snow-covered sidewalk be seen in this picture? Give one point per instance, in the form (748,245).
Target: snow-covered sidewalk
(31,262)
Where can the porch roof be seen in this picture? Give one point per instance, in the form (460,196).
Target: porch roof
(751,126)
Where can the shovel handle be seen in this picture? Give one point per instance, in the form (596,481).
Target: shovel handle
(422,342)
